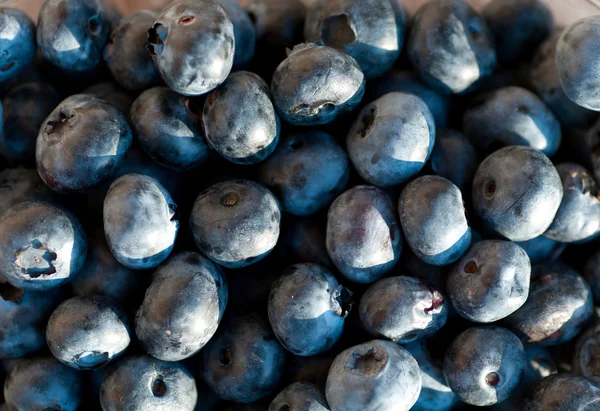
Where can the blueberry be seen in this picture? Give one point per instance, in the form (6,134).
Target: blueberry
(577,62)
(578,217)
(17,42)
(235,223)
(103,275)
(21,184)
(23,317)
(367,30)
(41,246)
(239,119)
(244,33)
(433,220)
(562,392)
(590,149)
(25,109)
(125,54)
(113,94)
(484,365)
(81,144)
(168,128)
(140,221)
(511,116)
(409,82)
(303,240)
(243,362)
(143,383)
(592,275)
(87,332)
(391,139)
(586,357)
(518,26)
(450,45)
(490,282)
(363,234)
(541,249)
(192,45)
(300,396)
(278,24)
(543,79)
(307,308)
(517,192)
(435,393)
(454,158)
(42,383)
(376,375)
(72,33)
(182,307)
(315,84)
(306,172)
(559,306)
(402,309)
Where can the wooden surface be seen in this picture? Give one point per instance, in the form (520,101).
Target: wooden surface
(565,10)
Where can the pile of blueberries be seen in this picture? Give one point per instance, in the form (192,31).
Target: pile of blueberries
(255,206)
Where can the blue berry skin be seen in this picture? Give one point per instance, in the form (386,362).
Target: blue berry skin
(591,274)
(81,144)
(375,375)
(578,217)
(140,221)
(315,84)
(41,246)
(300,396)
(518,27)
(113,94)
(511,116)
(561,392)
(586,357)
(244,33)
(140,383)
(433,220)
(86,333)
(167,125)
(23,317)
(578,62)
(541,249)
(182,307)
(239,119)
(278,24)
(307,171)
(367,30)
(409,82)
(391,139)
(435,393)
(235,223)
(126,56)
(402,309)
(517,192)
(543,79)
(484,365)
(363,236)
(43,383)
(559,305)
(490,282)
(454,158)
(103,275)
(192,45)
(17,42)
(71,34)
(243,362)
(21,184)
(25,109)
(307,308)
(450,46)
